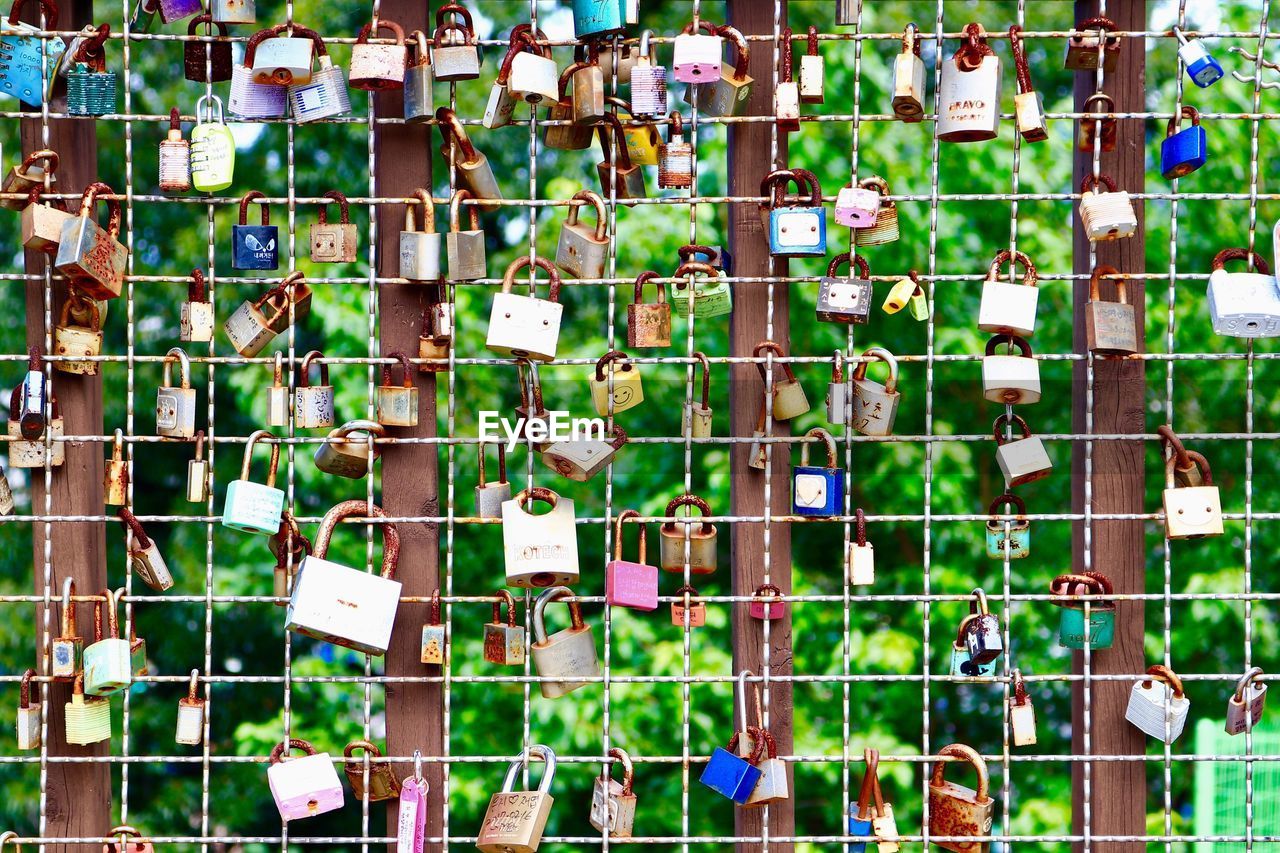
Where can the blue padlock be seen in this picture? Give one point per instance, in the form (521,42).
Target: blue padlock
(817,491)
(732,776)
(1183,152)
(1202,68)
(799,230)
(595,18)
(861,814)
(254,247)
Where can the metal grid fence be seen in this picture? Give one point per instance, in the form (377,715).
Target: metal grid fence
(847,45)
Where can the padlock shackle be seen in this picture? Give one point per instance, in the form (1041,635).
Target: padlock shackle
(1220,259)
(458,11)
(609,357)
(617,534)
(911,38)
(565,76)
(785,47)
(265,435)
(1007,499)
(199,440)
(117,445)
(343,206)
(211,100)
(763,364)
(365,745)
(244,208)
(1237,697)
(964,753)
(196,287)
(602,214)
(502,462)
(24,693)
(740,694)
(523,261)
(610,123)
(82,303)
(742,58)
(1090,183)
(1166,675)
(555,593)
(175,122)
(660,287)
(397,31)
(693,501)
(371,429)
(860,527)
(455,211)
(49,156)
(773,187)
(251,48)
(1021,70)
(1199,460)
(970,55)
(1019,688)
(451,126)
(853,261)
(90,197)
(277,754)
(1187,111)
(1083,583)
(534,495)
(428,213)
(628,770)
(517,765)
(304,369)
(364,511)
(978,606)
(48,7)
(405,368)
(91,50)
(433,613)
(768,590)
(706,378)
(691,250)
(68,619)
(420,42)
(1004,256)
(530,387)
(1021,344)
(1015,420)
(184,368)
(1109,272)
(1098,22)
(192,685)
(37,190)
(1101,98)
(869,783)
(692,268)
(504,599)
(757,744)
(827,439)
(206,19)
(878,354)
(108,601)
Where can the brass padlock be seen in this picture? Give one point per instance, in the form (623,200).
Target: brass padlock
(334,244)
(588,90)
(565,134)
(473,170)
(619,176)
(567,655)
(1111,328)
(698,416)
(195,323)
(1028,107)
(515,820)
(31,173)
(620,389)
(1095,39)
(115,481)
(71,339)
(198,473)
(398,404)
(504,643)
(789,400)
(701,538)
(313,404)
(42,224)
(1192,505)
(956,811)
(435,341)
(345,455)
(649,324)
(583,251)
(382,783)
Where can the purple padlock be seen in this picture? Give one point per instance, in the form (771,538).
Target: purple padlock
(698,58)
(176,10)
(628,584)
(856,207)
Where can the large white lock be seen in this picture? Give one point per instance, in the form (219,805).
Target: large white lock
(1192,505)
(1157,701)
(283,60)
(1009,308)
(1010,379)
(1106,215)
(813,71)
(525,326)
(566,655)
(541,550)
(1244,304)
(1022,714)
(534,77)
(303,787)
(1021,460)
(344,606)
(969,94)
(875,406)
(1244,708)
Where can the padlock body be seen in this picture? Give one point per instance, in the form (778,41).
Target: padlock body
(29,726)
(730,776)
(884,231)
(1023,461)
(382,781)
(955,810)
(1011,379)
(1102,626)
(343,606)
(234,11)
(283,61)
(858,828)
(649,325)
(514,822)
(588,95)
(844,300)
(252,507)
(420,253)
(772,787)
(108,668)
(983,641)
(710,299)
(1240,714)
(697,58)
(648,89)
(698,421)
(579,253)
(837,397)
(255,100)
(594,18)
(198,480)
(1183,152)
(908,87)
(1082,52)
(628,391)
(190,727)
(323,96)
(176,10)
(524,326)
(569,136)
(675,165)
(217,54)
(1107,216)
(875,408)
(313,407)
(578,460)
(466,254)
(71,341)
(725,97)
(88,720)
(195,322)
(1192,512)
(1017,540)
(797,232)
(566,655)
(334,243)
(1203,69)
(612,810)
(89,254)
(633,585)
(213,157)
(499,109)
(397,406)
(862,564)
(1008,309)
(789,400)
(786,106)
(42,226)
(377,67)
(963,666)
(433,644)
(66,657)
(766,606)
(278,407)
(1022,720)
(534,79)
(255,247)
(305,787)
(1111,328)
(541,550)
(1147,710)
(26,453)
(702,549)
(818,492)
(620,182)
(349,459)
(1028,113)
(856,207)
(697,614)
(490,497)
(22,57)
(504,644)
(150,566)
(176,412)
(1244,304)
(453,62)
(419,102)
(969,101)
(813,73)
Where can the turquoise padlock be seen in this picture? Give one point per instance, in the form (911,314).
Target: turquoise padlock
(860,811)
(108,668)
(253,507)
(1102,611)
(1015,536)
(711,295)
(961,663)
(595,18)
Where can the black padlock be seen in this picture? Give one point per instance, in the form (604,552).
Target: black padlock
(254,247)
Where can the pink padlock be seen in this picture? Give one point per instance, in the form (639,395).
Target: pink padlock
(303,787)
(698,58)
(628,584)
(767,602)
(857,207)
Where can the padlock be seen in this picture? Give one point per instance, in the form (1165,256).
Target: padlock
(1022,460)
(290,548)
(872,823)
(500,108)
(627,583)
(334,244)
(860,558)
(398,404)
(698,416)
(845,300)
(818,491)
(856,207)
(1111,328)
(533,420)
(6,495)
(1183,152)
(213,150)
(618,64)
(253,507)
(759,452)
(525,326)
(23,54)
(474,173)
(583,250)
(796,230)
(207,58)
(688,608)
(1202,68)
(697,57)
(435,340)
(1158,706)
(29,714)
(515,820)
(66,653)
(613,803)
(1190,511)
(1094,40)
(93,257)
(885,228)
(1098,127)
(313,404)
(382,784)
(566,655)
(348,607)
(1022,714)
(956,811)
(649,80)
(176,405)
(455,53)
(91,87)
(284,59)
(234,11)
(379,67)
(786,92)
(908,77)
(534,75)
(565,134)
(1010,537)
(982,640)
(420,251)
(675,157)
(1244,304)
(1008,308)
(303,787)
(789,400)
(620,389)
(255,247)
(875,406)
(700,536)
(325,95)
(504,643)
(23,178)
(198,473)
(1106,215)
(812,71)
(419,102)
(107,665)
(71,339)
(88,719)
(588,92)
(767,603)
(580,459)
(540,550)
(621,178)
(42,224)
(649,324)
(115,480)
(907,291)
(195,323)
(732,776)
(1028,106)
(700,297)
(191,709)
(175,157)
(593,19)
(28,401)
(1094,589)
(138,663)
(1010,379)
(969,92)
(252,99)
(772,786)
(145,558)
(1244,708)
(278,408)
(347,455)
(727,94)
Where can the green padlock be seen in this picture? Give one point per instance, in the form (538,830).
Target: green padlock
(712,296)
(108,667)
(908,292)
(1102,611)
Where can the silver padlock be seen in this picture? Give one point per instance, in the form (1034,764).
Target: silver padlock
(1244,708)
(251,328)
(875,406)
(613,803)
(455,51)
(1007,308)
(1244,304)
(581,459)
(1010,379)
(588,93)
(969,94)
(490,496)
(198,473)
(698,416)
(420,250)
(191,710)
(334,242)
(786,92)
(501,106)
(860,558)
(845,300)
(313,404)
(648,81)
(176,405)
(325,95)
(789,400)
(565,134)
(1106,215)
(249,98)
(1021,460)
(525,326)
(473,169)
(620,176)
(28,715)
(908,77)
(541,550)
(583,250)
(144,557)
(398,404)
(282,59)
(419,102)
(465,249)
(565,656)
(1158,706)
(278,394)
(346,455)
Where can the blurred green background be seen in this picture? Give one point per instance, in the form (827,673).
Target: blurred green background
(1206,636)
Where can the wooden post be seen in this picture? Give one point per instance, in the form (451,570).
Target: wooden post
(415,711)
(1118,789)
(78,796)
(749,161)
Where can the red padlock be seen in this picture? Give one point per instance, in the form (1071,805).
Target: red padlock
(767,603)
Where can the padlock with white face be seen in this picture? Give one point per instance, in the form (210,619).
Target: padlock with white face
(191,709)
(969,94)
(1106,215)
(773,786)
(28,715)
(813,71)
(540,550)
(1244,708)
(1244,304)
(697,57)
(313,404)
(1021,460)
(861,557)
(845,300)
(1007,308)
(525,326)
(1159,701)
(1012,379)
(534,76)
(303,787)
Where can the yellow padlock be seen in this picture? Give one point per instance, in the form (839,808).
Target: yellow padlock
(899,296)
(642,139)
